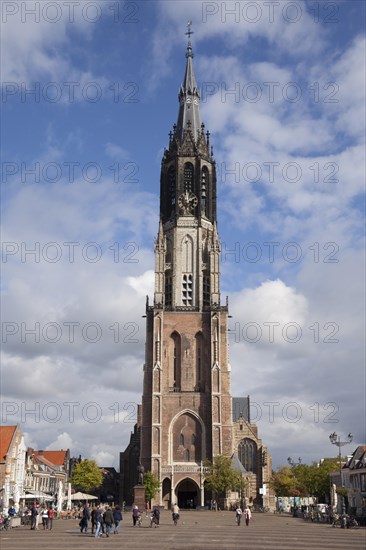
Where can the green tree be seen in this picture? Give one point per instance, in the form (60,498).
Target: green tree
(221,476)
(86,475)
(151,484)
(284,482)
(321,478)
(304,480)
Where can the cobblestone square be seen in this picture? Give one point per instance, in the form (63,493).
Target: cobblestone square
(202,530)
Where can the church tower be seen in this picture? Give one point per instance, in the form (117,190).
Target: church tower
(186,414)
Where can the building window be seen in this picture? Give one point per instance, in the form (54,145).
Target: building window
(363,482)
(188,177)
(175,363)
(206,290)
(187,295)
(247,453)
(186,455)
(171,177)
(204,190)
(168,289)
(193,439)
(199,361)
(199,378)
(176,356)
(181,440)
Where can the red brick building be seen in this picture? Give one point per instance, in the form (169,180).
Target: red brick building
(187,414)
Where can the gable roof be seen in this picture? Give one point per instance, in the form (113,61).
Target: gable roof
(6,436)
(358,458)
(54,457)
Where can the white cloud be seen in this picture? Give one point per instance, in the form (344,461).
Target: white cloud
(63,441)
(321,216)
(272,301)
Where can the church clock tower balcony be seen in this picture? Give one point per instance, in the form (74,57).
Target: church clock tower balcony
(187,248)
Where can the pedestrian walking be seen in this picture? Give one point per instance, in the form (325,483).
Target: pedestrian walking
(108,520)
(247,515)
(175,514)
(238,515)
(117,518)
(34,514)
(99,522)
(93,517)
(85,517)
(51,515)
(38,516)
(45,517)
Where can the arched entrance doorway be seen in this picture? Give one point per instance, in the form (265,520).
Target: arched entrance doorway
(166,492)
(187,492)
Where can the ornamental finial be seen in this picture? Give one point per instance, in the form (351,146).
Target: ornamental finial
(188,33)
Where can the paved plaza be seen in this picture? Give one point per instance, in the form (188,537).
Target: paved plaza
(195,531)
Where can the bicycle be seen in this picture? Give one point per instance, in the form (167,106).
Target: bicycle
(153,520)
(139,520)
(5,523)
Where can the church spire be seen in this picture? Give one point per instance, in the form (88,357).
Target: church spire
(189,98)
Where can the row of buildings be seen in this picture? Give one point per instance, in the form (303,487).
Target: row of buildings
(352,478)
(27,474)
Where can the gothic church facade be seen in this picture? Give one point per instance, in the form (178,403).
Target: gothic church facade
(187,413)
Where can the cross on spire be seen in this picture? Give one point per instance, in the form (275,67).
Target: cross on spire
(189,32)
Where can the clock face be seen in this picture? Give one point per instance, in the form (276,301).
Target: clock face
(187,201)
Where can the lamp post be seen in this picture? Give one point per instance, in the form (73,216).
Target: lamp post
(335,439)
(293,463)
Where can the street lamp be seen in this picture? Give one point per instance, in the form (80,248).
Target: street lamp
(293,463)
(335,439)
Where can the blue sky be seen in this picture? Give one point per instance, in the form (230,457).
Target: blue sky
(283,95)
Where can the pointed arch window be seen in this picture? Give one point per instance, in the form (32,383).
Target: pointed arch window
(186,455)
(175,372)
(204,190)
(171,179)
(206,290)
(181,440)
(168,288)
(188,178)
(199,362)
(247,452)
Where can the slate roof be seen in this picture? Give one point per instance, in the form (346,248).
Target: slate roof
(236,464)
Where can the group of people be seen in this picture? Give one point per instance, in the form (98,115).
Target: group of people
(44,513)
(239,513)
(104,520)
(154,515)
